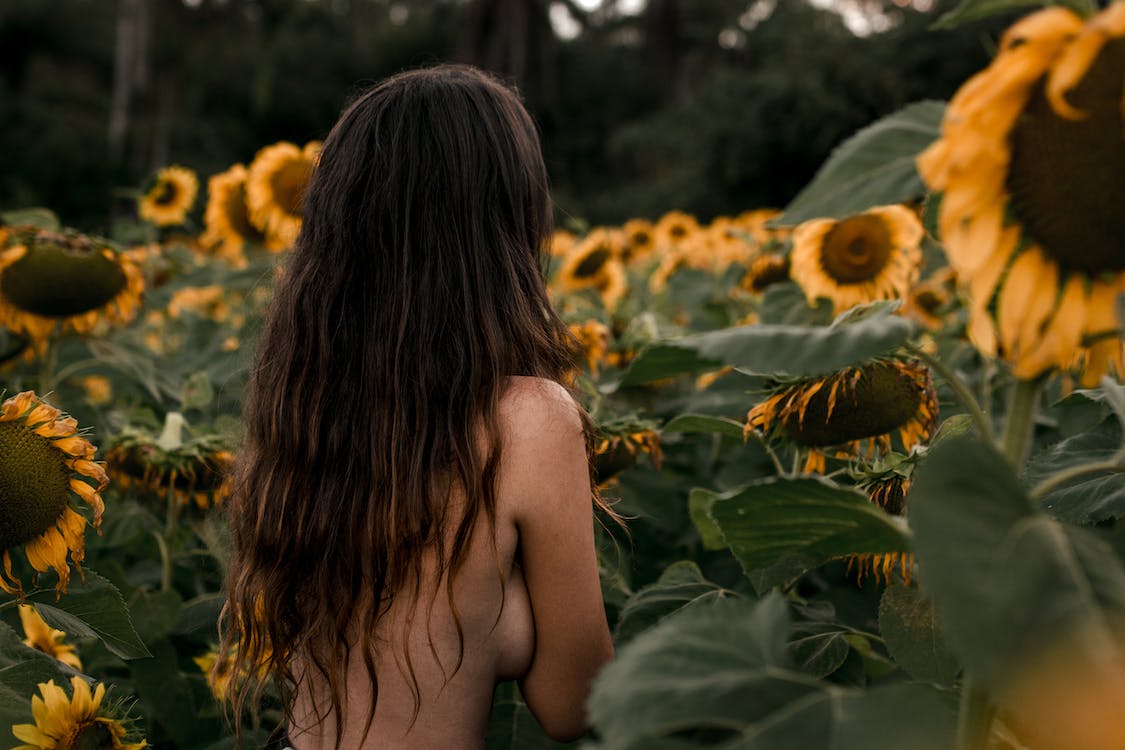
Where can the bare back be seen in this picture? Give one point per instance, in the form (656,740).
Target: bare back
(493,605)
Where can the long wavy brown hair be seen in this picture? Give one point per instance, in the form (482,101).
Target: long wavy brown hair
(414,291)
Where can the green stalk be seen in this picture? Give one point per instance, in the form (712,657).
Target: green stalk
(974,721)
(960,390)
(167,540)
(50,362)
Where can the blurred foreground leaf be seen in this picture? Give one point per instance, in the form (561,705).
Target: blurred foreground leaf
(781,527)
(1092,498)
(908,624)
(874,167)
(1007,579)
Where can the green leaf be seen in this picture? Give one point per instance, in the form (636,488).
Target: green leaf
(93,609)
(154,613)
(1006,578)
(197,392)
(806,520)
(797,351)
(688,423)
(720,673)
(511,725)
(908,624)
(43,218)
(681,585)
(712,666)
(22,668)
(168,698)
(1090,499)
(699,506)
(974,10)
(874,167)
(818,648)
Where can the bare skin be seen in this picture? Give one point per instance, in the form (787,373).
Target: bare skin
(543,622)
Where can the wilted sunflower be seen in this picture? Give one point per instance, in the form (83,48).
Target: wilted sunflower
(43,462)
(169,196)
(673,228)
(870,256)
(839,413)
(619,443)
(75,723)
(1031,164)
(169,466)
(65,281)
(227,218)
(886,484)
(765,271)
(593,336)
(275,190)
(42,637)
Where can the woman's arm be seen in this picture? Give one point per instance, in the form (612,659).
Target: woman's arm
(545,470)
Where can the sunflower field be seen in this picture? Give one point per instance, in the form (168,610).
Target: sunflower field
(869,447)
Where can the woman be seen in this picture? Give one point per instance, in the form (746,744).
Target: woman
(412,507)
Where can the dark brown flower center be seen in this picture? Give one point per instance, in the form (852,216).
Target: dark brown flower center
(33,484)
(883,399)
(1067,177)
(165,193)
(234,208)
(592,263)
(94,736)
(856,249)
(56,281)
(289,183)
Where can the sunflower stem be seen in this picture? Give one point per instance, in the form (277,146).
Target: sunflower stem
(1022,408)
(50,361)
(960,390)
(974,721)
(165,562)
(167,540)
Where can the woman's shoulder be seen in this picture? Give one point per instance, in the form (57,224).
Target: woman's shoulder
(536,408)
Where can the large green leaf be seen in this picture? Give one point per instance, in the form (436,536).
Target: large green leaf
(688,423)
(718,676)
(1089,499)
(796,351)
(908,624)
(681,585)
(1007,579)
(805,521)
(874,167)
(93,609)
(974,10)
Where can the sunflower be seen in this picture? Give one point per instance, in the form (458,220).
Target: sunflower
(66,281)
(870,256)
(97,388)
(593,337)
(275,190)
(728,243)
(673,228)
(75,723)
(1031,163)
(620,443)
(929,303)
(756,223)
(640,240)
(594,263)
(42,637)
(765,271)
(43,462)
(228,228)
(166,465)
(561,243)
(839,413)
(169,197)
(210,302)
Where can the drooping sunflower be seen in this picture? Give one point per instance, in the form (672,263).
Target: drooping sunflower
(1031,165)
(886,484)
(65,281)
(620,443)
(275,190)
(44,462)
(168,466)
(227,218)
(169,196)
(77,722)
(42,637)
(871,256)
(840,413)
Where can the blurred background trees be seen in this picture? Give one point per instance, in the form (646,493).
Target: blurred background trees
(712,106)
